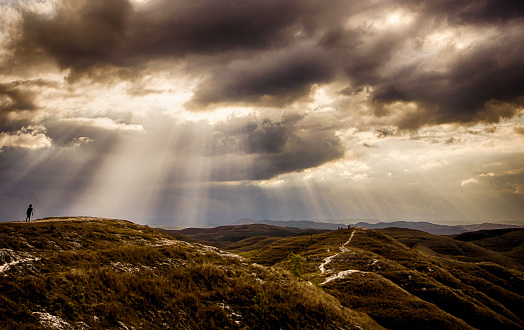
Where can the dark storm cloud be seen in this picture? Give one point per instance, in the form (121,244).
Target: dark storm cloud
(253,52)
(209,26)
(14,99)
(268,138)
(273,79)
(466,91)
(80,36)
(275,146)
(478,11)
(384,132)
(86,34)
(480,83)
(303,151)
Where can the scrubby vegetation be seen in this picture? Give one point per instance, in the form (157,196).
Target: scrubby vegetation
(409,279)
(105,274)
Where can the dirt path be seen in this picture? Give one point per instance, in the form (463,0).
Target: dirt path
(327,260)
(343,248)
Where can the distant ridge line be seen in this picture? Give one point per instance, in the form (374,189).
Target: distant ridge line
(416,225)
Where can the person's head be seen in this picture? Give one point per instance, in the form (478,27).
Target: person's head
(30,205)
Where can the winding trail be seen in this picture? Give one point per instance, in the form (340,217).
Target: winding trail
(327,260)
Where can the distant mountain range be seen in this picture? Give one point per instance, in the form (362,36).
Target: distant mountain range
(423,226)
(301,224)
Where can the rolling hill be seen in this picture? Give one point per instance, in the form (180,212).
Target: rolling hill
(509,242)
(90,273)
(404,277)
(425,286)
(240,238)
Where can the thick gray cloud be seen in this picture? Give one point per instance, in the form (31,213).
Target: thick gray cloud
(90,33)
(14,99)
(85,36)
(270,147)
(285,146)
(80,35)
(273,79)
(253,52)
(209,27)
(464,92)
(477,11)
(267,137)
(302,152)
(463,88)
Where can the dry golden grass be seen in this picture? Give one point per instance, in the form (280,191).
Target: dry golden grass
(415,285)
(102,273)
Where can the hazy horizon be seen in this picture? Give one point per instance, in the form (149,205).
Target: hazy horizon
(180,223)
(207,112)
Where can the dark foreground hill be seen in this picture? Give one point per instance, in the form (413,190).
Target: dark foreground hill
(87,273)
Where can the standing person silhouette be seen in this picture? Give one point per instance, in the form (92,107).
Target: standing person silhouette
(29,213)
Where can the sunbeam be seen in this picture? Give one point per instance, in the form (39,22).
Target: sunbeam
(194,113)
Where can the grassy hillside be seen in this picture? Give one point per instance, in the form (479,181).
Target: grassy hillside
(452,248)
(241,238)
(416,280)
(87,273)
(509,242)
(90,273)
(235,233)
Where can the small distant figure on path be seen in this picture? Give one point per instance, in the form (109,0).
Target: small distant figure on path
(29,213)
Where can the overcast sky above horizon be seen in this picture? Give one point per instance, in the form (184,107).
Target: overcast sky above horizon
(210,111)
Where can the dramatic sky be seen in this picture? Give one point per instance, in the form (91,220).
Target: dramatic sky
(207,111)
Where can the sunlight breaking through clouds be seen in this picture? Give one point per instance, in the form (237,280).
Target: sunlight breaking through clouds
(188,113)
(31,137)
